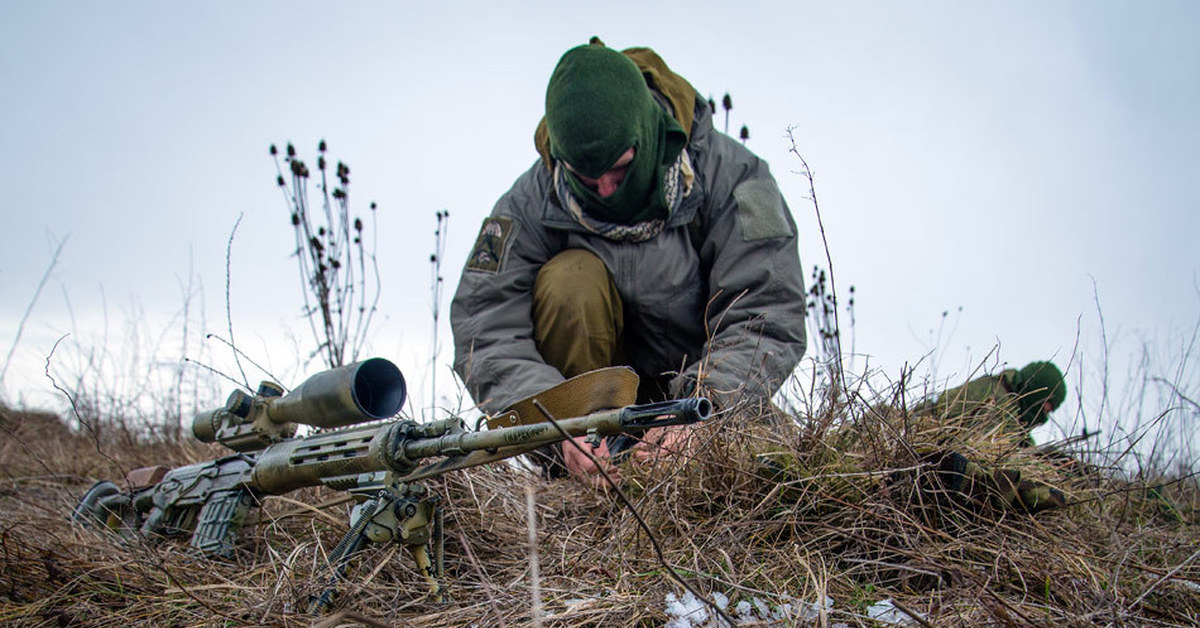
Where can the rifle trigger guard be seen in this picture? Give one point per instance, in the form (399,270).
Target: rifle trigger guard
(593,437)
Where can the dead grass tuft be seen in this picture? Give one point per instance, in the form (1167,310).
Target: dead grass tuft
(781,510)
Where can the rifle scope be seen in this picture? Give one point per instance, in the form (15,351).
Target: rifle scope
(364,391)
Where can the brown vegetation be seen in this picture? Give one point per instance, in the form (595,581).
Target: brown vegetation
(840,507)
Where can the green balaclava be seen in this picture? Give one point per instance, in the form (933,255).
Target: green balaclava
(1036,384)
(597,107)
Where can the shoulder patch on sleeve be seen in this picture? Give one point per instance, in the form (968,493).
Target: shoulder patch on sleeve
(491,247)
(761,210)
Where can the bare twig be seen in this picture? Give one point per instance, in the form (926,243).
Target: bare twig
(839,375)
(535,580)
(342,617)
(616,490)
(29,309)
(229,300)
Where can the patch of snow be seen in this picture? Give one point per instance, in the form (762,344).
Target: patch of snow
(761,610)
(690,612)
(812,610)
(887,613)
(687,612)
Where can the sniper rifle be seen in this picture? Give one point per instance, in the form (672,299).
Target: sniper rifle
(381,464)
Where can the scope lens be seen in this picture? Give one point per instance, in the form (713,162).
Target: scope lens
(379,388)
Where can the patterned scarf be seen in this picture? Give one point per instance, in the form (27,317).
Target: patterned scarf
(677,185)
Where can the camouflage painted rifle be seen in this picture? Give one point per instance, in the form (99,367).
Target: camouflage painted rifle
(380,464)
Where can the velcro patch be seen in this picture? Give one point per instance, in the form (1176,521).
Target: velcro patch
(491,246)
(761,210)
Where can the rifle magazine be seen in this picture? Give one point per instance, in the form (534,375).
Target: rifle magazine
(221,520)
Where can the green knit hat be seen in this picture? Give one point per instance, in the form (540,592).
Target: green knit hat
(1035,384)
(597,107)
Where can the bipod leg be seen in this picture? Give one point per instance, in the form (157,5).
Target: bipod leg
(339,558)
(422,531)
(439,541)
(437,567)
(428,570)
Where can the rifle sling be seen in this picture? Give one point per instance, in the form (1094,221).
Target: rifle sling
(601,389)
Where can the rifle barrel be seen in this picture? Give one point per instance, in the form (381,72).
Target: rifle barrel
(533,435)
(321,458)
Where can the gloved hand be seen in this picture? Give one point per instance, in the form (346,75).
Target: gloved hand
(1002,489)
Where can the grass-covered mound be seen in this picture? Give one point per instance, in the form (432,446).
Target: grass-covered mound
(776,516)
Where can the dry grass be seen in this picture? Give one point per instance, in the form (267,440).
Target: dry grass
(846,509)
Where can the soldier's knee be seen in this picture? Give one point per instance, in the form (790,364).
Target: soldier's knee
(575,278)
(577,313)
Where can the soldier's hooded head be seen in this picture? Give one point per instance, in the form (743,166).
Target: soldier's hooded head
(1036,384)
(598,106)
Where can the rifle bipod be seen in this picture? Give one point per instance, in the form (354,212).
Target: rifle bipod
(412,519)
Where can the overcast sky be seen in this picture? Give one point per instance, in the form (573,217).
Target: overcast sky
(1032,163)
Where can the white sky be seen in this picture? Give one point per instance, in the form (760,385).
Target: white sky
(1021,161)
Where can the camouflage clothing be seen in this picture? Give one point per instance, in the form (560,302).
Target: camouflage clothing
(983,403)
(1014,400)
(1006,406)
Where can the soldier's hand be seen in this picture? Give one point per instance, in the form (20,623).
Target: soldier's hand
(675,439)
(587,469)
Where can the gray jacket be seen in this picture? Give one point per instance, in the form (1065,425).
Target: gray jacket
(726,264)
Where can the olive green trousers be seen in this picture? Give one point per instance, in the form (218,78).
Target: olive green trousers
(578,324)
(579,321)
(578,318)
